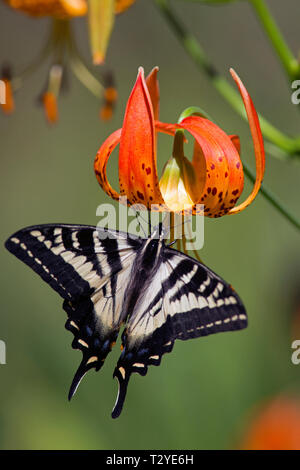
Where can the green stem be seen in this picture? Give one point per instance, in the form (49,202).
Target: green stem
(195,51)
(288,60)
(272,198)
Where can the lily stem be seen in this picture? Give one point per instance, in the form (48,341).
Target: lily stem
(287,58)
(272,198)
(289,145)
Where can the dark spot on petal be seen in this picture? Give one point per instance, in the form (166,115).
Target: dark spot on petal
(226,174)
(208,190)
(235,192)
(148,170)
(212,166)
(214,191)
(238,165)
(140,195)
(143,166)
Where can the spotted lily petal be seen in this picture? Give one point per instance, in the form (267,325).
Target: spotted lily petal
(101,160)
(223,169)
(257,142)
(137,156)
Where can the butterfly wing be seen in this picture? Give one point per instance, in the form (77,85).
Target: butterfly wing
(89,268)
(184,300)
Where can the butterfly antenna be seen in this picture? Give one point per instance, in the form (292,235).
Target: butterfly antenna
(123,379)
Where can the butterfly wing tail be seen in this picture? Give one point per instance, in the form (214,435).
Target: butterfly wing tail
(123,377)
(80,373)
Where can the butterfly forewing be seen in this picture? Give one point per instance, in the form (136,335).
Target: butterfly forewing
(89,268)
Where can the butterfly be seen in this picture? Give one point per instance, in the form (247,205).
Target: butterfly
(111,279)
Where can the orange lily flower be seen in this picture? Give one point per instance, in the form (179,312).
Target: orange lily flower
(276,426)
(62,48)
(214,178)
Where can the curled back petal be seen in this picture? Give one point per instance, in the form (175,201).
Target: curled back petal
(153,88)
(223,168)
(101,160)
(257,142)
(137,155)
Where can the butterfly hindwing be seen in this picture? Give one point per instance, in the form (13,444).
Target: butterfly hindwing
(89,268)
(184,300)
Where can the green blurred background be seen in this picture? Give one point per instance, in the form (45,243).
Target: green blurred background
(203,393)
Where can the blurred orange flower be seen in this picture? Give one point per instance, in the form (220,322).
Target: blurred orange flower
(276,426)
(214,178)
(8,104)
(57,8)
(62,48)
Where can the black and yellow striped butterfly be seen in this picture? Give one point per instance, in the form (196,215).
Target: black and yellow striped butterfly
(110,279)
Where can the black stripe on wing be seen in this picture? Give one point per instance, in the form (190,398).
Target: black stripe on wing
(74,262)
(53,251)
(199,303)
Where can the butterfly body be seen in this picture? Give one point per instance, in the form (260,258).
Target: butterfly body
(109,279)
